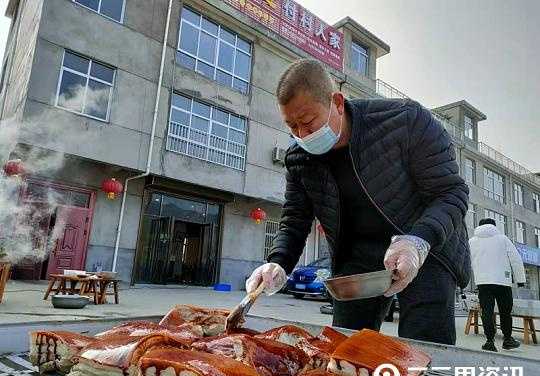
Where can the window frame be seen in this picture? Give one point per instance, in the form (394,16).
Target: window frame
(497,217)
(219,40)
(472,209)
(521,227)
(358,47)
(269,224)
(537,236)
(472,168)
(490,175)
(87,76)
(104,15)
(536,202)
(209,133)
(518,194)
(468,125)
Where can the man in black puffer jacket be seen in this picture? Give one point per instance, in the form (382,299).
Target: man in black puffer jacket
(381,177)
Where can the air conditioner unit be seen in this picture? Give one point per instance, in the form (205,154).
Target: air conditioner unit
(278,155)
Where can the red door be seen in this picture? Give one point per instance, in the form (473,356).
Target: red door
(70,249)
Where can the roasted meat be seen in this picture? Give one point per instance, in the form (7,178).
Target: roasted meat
(361,353)
(212,321)
(176,362)
(269,358)
(328,339)
(317,348)
(287,334)
(186,331)
(120,355)
(56,351)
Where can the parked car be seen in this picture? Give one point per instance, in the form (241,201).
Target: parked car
(308,280)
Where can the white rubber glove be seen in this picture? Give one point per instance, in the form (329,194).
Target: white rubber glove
(403,258)
(273,275)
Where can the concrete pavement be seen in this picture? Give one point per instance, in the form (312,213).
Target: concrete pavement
(23,303)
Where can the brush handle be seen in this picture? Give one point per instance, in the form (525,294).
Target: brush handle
(258,291)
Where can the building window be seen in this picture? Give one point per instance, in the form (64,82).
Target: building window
(113,9)
(468,127)
(493,185)
(270,231)
(500,219)
(359,58)
(537,237)
(213,51)
(207,132)
(518,194)
(520,232)
(470,171)
(536,202)
(85,86)
(470,218)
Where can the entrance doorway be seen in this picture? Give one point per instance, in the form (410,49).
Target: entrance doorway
(53,205)
(178,243)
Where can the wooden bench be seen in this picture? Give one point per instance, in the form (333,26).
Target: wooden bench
(529,330)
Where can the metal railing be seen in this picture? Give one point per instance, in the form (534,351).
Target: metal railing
(386,90)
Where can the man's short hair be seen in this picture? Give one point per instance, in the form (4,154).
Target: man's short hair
(487,221)
(306,75)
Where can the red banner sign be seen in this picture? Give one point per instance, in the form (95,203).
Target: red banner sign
(298,25)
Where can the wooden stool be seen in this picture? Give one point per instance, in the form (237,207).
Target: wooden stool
(104,285)
(89,288)
(53,278)
(472,320)
(529,330)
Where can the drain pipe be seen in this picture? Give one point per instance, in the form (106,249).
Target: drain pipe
(151,146)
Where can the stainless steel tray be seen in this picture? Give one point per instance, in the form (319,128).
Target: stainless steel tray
(15,363)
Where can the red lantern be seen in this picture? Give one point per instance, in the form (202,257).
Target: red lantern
(320,229)
(14,167)
(258,215)
(112,187)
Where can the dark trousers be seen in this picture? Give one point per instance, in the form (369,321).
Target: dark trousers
(426,306)
(487,295)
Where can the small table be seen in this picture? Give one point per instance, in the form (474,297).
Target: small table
(95,287)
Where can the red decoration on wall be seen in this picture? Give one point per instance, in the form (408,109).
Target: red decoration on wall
(14,167)
(112,187)
(258,215)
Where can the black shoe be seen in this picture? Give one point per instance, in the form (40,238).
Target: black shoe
(489,346)
(510,343)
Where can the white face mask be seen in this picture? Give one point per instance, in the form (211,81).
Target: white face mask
(321,141)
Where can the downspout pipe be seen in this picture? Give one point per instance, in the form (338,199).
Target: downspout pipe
(152,137)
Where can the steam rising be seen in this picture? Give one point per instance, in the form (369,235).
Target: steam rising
(24,224)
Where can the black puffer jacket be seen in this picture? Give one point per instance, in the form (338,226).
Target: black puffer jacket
(405,161)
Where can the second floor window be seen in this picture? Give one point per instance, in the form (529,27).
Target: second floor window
(359,58)
(536,202)
(494,185)
(85,86)
(214,51)
(113,9)
(518,194)
(470,218)
(520,232)
(469,132)
(537,237)
(470,171)
(207,132)
(500,219)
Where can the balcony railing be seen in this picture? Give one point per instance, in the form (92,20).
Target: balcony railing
(388,91)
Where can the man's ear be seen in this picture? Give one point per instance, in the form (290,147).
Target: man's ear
(339,100)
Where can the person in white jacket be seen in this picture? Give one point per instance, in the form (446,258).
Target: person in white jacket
(496,263)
